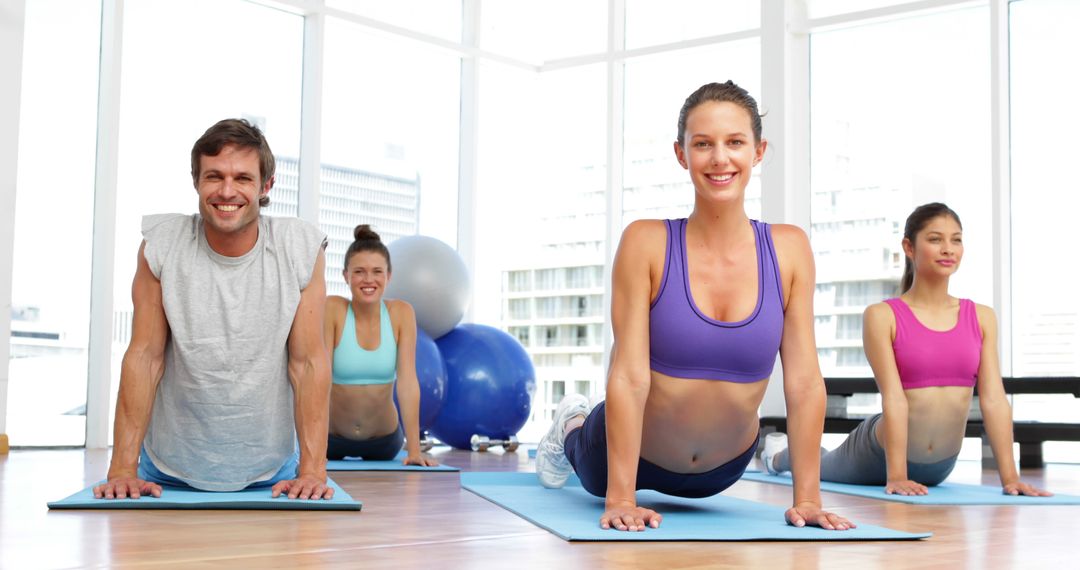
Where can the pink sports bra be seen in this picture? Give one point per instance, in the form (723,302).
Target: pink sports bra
(925,357)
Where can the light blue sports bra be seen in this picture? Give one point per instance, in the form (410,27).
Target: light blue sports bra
(355,365)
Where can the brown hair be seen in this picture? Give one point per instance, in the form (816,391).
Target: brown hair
(367,240)
(915,224)
(237,132)
(727,92)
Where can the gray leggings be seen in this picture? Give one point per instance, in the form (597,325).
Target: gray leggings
(860,460)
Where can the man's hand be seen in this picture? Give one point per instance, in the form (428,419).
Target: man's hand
(124,487)
(303,487)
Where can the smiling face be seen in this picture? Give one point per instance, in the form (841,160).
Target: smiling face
(367,276)
(719,150)
(938,248)
(229,191)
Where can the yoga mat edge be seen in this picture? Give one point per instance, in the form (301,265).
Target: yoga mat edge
(946,494)
(174,498)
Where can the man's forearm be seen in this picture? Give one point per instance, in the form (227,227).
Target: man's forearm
(312,387)
(139,377)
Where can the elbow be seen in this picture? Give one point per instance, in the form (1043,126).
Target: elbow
(994,405)
(142,357)
(635,383)
(312,369)
(896,406)
(804,387)
(407,388)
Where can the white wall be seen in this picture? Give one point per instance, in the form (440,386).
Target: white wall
(12,17)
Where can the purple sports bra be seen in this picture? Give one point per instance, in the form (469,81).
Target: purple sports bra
(926,357)
(685,343)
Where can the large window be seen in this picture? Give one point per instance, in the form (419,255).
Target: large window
(824,8)
(537,32)
(187,65)
(435,17)
(900,115)
(389,140)
(50,304)
(540,217)
(896,122)
(649,22)
(1045,120)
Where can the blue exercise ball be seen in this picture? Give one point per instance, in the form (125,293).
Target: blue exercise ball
(431,372)
(490,385)
(431,375)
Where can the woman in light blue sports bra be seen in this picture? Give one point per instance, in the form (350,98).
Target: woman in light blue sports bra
(373,343)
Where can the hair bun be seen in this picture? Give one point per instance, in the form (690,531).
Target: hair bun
(363,232)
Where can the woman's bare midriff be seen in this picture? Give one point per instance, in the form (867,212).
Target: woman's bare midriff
(937,420)
(362,412)
(694,426)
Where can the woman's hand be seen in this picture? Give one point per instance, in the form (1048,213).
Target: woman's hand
(905,487)
(629,517)
(803,514)
(1019,488)
(421,460)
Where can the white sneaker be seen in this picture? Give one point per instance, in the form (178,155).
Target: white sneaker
(552,466)
(774,444)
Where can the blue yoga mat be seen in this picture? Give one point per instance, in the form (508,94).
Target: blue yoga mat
(943,494)
(573,514)
(391,465)
(188,498)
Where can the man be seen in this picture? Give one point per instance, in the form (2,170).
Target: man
(226,352)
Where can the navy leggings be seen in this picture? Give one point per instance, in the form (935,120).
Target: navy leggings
(586,448)
(382,448)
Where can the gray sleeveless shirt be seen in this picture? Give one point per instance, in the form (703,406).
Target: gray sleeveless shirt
(223,415)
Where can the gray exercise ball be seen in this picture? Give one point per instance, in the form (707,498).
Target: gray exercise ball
(431,276)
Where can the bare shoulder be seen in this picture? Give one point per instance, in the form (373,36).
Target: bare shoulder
(878,313)
(789,238)
(986,315)
(643,242)
(336,305)
(643,234)
(641,248)
(879,323)
(794,256)
(399,307)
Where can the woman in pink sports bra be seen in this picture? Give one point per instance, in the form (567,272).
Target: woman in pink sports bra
(700,309)
(928,351)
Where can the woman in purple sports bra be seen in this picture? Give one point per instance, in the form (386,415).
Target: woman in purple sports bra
(700,308)
(928,351)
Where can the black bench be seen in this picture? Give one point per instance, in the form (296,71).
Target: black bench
(1029,434)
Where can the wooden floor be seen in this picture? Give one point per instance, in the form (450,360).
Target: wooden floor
(425,520)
